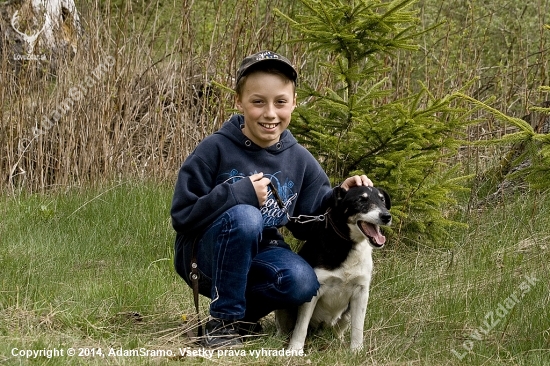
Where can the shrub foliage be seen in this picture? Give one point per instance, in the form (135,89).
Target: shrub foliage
(357,125)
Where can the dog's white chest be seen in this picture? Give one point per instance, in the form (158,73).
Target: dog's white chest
(339,285)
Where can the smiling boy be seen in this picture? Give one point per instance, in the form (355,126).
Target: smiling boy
(224,206)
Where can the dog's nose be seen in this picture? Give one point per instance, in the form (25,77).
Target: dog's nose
(385,217)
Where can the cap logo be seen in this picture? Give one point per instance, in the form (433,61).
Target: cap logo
(267,56)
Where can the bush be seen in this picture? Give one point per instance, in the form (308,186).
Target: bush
(357,125)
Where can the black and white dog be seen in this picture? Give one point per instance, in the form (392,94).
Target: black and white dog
(340,251)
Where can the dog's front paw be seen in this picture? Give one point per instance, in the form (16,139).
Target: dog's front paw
(297,347)
(356,347)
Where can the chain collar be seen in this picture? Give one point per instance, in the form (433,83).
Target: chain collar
(304,219)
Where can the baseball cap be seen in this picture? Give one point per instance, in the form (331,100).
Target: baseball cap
(267,57)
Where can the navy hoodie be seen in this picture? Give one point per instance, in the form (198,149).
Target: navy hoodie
(214,178)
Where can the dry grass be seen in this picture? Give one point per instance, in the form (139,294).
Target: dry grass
(136,98)
(152,79)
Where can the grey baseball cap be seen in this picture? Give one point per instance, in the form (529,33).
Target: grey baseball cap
(266,57)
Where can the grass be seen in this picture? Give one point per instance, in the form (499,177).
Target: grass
(92,269)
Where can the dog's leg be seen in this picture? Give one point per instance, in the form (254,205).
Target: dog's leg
(342,324)
(358,309)
(285,320)
(305,311)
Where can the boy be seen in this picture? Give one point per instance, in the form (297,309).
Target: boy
(223,205)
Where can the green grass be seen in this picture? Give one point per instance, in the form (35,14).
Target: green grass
(93,268)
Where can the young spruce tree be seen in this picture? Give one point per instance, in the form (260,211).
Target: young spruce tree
(355,125)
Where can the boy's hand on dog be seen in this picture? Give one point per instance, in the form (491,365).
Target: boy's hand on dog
(260,186)
(356,180)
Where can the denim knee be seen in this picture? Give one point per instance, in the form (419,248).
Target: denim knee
(301,283)
(245,221)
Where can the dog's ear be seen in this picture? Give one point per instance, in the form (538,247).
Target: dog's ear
(387,199)
(338,195)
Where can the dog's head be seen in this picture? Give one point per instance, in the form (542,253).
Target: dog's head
(365,208)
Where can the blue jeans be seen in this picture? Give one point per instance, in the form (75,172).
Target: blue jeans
(247,278)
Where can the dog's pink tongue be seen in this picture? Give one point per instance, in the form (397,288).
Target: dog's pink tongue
(374,232)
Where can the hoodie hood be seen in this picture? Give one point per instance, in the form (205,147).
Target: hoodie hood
(232,129)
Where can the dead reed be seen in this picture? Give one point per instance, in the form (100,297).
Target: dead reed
(144,88)
(151,79)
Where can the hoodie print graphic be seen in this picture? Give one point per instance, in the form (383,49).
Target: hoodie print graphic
(272,214)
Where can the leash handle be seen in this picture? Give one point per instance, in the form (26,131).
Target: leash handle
(280,202)
(194,276)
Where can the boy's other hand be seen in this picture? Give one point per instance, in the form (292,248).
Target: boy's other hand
(356,180)
(260,186)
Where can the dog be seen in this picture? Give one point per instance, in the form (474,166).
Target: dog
(340,252)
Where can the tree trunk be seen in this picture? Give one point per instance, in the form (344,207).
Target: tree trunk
(39,30)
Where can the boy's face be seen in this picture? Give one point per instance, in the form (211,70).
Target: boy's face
(266,101)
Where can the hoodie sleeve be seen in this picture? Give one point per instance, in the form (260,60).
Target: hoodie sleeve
(198,200)
(314,199)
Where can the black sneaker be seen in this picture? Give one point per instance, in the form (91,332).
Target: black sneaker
(250,329)
(220,333)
